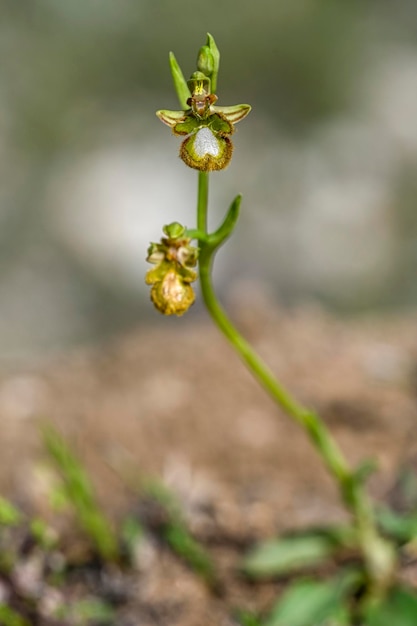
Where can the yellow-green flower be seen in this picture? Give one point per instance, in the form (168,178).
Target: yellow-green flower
(173,258)
(207,127)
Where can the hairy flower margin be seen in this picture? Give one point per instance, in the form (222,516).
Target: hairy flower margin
(207,128)
(173,258)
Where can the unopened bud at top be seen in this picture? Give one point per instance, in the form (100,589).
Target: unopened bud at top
(205,61)
(174,230)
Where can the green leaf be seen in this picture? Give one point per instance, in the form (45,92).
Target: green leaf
(226,228)
(247,618)
(289,554)
(132,534)
(9,515)
(401,527)
(8,617)
(87,611)
(177,535)
(312,603)
(180,83)
(398,609)
(185,546)
(79,492)
(42,533)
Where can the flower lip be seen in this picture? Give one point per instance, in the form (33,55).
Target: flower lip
(206,143)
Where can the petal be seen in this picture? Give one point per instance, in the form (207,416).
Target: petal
(171,118)
(234,113)
(180,83)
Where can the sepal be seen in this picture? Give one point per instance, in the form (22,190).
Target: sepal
(180,84)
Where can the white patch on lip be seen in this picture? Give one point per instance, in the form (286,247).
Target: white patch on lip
(206,143)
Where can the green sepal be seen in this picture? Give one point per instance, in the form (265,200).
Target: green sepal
(180,84)
(156,253)
(215,53)
(199,81)
(171,118)
(235,113)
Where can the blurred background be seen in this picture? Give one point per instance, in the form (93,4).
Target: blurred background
(327,160)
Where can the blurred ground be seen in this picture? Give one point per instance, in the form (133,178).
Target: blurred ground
(177,403)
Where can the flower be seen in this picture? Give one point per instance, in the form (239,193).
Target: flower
(173,258)
(207,127)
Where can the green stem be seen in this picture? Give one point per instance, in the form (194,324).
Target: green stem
(202,202)
(377,553)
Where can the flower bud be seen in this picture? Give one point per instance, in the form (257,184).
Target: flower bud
(174,230)
(205,61)
(173,259)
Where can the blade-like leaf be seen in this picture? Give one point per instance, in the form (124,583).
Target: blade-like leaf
(180,83)
(286,555)
(312,603)
(176,534)
(401,527)
(9,617)
(226,228)
(9,514)
(399,609)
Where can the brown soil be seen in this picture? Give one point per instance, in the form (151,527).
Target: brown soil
(176,402)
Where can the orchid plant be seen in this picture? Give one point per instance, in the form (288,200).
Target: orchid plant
(365,592)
